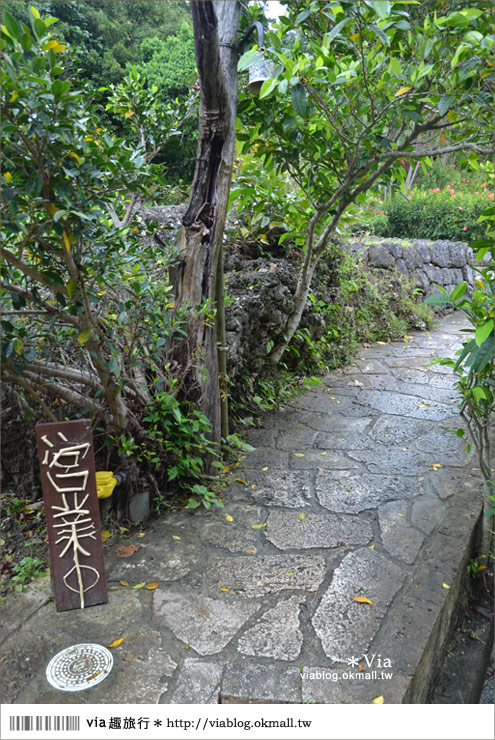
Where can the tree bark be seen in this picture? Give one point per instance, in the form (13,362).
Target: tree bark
(201,234)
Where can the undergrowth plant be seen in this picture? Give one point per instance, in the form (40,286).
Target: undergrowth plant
(474,366)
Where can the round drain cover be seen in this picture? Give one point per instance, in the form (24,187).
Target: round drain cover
(79,667)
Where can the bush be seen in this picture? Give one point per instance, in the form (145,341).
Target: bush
(437,214)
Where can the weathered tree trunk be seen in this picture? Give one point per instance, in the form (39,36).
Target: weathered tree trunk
(200,239)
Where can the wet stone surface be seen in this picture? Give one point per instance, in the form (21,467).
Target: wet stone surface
(254,576)
(277,634)
(287,531)
(345,626)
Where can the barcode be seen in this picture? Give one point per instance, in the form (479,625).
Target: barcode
(48,724)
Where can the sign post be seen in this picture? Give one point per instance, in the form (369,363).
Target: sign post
(67,465)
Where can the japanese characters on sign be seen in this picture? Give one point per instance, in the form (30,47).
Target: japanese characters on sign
(73,520)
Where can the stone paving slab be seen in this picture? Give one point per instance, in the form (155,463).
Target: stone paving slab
(333,574)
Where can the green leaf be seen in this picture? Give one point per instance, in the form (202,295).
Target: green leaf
(267,87)
(336,30)
(11,25)
(381,7)
(84,336)
(483,332)
(39,27)
(71,287)
(479,393)
(483,356)
(381,34)
(298,97)
(437,299)
(444,103)
(395,66)
(458,291)
(253,56)
(414,115)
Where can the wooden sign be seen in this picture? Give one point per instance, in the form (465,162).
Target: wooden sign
(68,481)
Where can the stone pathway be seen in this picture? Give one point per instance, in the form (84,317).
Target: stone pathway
(354,494)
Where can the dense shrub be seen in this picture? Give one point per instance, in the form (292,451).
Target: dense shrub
(446,214)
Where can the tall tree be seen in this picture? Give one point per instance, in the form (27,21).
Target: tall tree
(200,240)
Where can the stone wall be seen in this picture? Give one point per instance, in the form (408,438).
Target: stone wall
(426,262)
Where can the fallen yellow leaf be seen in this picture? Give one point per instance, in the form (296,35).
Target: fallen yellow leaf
(378,700)
(140,585)
(445,585)
(372,547)
(323,453)
(123,583)
(229,518)
(116,642)
(141,534)
(175,537)
(362,600)
(225,590)
(241,480)
(105,535)
(258,526)
(152,586)
(480,568)
(265,468)
(250,552)
(299,454)
(302,516)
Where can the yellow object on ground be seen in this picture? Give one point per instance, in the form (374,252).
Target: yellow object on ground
(105,483)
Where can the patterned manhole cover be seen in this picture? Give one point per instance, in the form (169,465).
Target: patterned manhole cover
(79,667)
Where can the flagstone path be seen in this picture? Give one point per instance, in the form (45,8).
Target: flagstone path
(334,573)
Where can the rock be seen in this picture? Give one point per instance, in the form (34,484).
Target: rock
(398,537)
(254,576)
(277,633)
(287,531)
(440,254)
(413,258)
(426,513)
(199,683)
(214,529)
(380,256)
(346,491)
(344,626)
(207,625)
(252,681)
(278,488)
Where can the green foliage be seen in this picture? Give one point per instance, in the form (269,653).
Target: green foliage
(174,435)
(271,208)
(369,306)
(446,171)
(475,363)
(169,63)
(351,101)
(27,569)
(88,324)
(108,35)
(165,128)
(436,215)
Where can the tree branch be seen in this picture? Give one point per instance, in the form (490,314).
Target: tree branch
(30,271)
